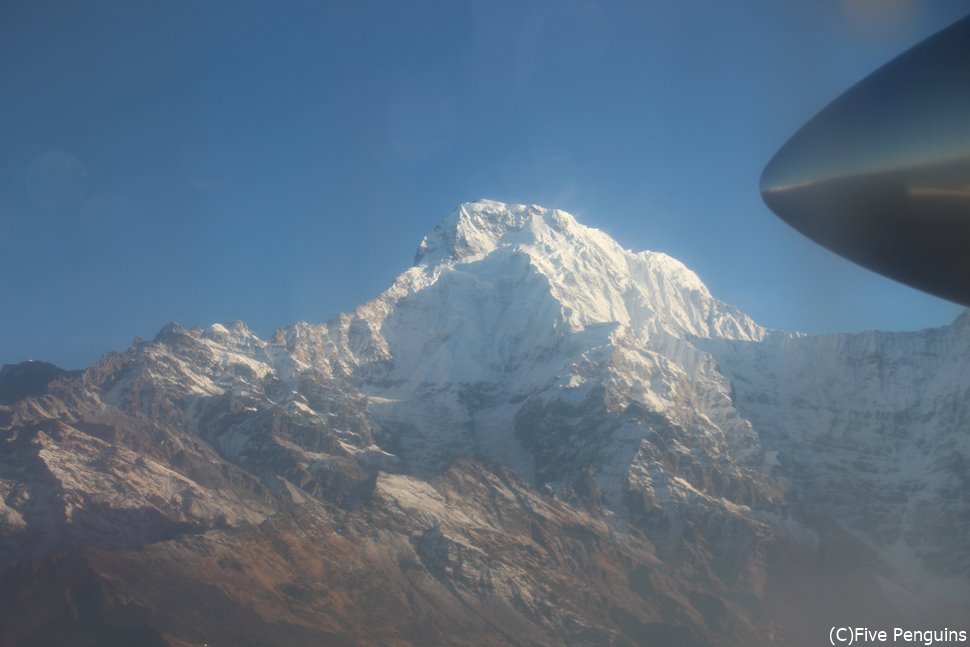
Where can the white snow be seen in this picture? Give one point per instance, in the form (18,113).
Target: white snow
(510,305)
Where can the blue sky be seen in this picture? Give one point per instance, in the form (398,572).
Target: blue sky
(275,162)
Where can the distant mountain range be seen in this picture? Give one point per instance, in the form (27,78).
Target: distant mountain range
(533,437)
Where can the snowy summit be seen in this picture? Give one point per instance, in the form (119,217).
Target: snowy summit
(529,393)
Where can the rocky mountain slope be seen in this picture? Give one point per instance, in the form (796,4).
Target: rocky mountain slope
(533,437)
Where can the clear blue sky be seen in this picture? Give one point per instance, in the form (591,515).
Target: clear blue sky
(275,162)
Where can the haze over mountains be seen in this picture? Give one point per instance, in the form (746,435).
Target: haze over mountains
(533,436)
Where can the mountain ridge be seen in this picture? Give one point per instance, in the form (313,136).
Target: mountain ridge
(526,374)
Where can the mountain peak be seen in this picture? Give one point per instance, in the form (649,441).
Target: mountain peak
(528,373)
(593,278)
(29,378)
(476,228)
(172,328)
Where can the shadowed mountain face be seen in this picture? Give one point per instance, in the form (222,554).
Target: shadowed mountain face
(533,437)
(30,378)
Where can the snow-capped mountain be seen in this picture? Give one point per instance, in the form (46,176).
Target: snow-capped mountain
(532,436)
(873,427)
